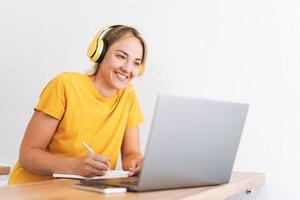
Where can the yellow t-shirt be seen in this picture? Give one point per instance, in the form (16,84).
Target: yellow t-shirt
(85,115)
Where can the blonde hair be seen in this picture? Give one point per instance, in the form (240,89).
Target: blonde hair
(116,34)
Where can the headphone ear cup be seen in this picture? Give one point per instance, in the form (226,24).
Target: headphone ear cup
(98,50)
(92,48)
(98,47)
(94,45)
(103,50)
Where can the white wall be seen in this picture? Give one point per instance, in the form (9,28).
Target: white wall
(235,50)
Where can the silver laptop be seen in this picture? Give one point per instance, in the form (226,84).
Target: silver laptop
(193,142)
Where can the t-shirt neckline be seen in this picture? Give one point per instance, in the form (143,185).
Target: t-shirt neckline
(97,92)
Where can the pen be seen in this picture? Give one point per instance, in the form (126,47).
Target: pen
(91,150)
(87,147)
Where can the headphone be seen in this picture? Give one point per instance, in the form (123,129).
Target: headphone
(98,47)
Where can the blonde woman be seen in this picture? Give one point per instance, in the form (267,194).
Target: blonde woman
(99,108)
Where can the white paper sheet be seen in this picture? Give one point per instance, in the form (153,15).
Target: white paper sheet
(109,174)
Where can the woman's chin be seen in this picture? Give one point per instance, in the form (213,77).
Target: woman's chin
(120,85)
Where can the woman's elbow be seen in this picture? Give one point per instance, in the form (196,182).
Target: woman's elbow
(26,158)
(22,157)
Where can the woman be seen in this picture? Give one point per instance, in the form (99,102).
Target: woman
(99,108)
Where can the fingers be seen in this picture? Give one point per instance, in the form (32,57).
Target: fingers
(132,165)
(139,162)
(135,167)
(135,170)
(101,159)
(90,172)
(95,165)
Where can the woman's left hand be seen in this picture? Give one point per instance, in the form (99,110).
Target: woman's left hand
(135,166)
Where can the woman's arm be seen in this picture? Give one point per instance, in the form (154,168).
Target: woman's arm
(132,158)
(35,158)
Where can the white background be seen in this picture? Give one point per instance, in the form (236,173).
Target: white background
(236,50)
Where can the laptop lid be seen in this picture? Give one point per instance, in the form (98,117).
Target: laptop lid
(192,142)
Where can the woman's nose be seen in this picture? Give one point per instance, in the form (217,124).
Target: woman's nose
(127,67)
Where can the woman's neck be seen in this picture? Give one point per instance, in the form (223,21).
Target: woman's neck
(103,88)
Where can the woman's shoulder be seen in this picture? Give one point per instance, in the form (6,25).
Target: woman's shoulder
(129,88)
(69,76)
(129,92)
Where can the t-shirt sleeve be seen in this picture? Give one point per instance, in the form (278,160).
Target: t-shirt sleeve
(135,116)
(53,98)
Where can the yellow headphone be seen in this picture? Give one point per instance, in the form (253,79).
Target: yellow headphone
(98,47)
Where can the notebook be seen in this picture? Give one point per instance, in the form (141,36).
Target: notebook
(109,174)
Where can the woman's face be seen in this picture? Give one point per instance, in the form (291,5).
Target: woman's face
(121,62)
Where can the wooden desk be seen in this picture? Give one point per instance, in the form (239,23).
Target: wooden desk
(61,189)
(4,170)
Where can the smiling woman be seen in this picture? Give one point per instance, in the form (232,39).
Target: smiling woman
(99,108)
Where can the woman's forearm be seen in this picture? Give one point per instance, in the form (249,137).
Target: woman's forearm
(41,162)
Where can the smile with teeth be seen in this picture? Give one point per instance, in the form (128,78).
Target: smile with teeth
(122,77)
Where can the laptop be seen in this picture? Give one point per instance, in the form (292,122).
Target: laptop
(192,142)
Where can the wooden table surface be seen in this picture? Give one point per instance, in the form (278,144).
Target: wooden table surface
(61,189)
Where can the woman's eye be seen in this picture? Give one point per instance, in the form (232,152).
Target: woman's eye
(136,64)
(120,57)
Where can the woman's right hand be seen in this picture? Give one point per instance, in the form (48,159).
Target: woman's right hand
(91,165)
